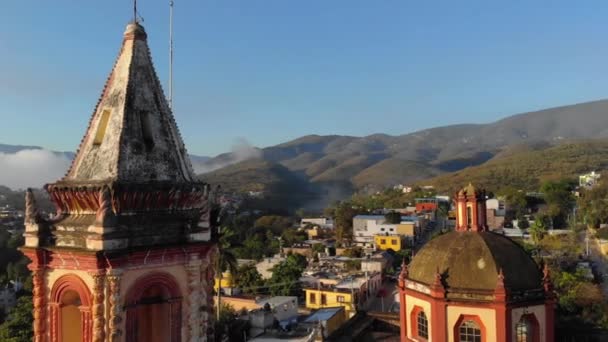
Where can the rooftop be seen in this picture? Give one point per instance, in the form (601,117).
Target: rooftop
(323,314)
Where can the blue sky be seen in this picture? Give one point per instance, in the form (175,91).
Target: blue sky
(273,70)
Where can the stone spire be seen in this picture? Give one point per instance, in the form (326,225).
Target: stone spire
(31,209)
(132,135)
(131,169)
(500,292)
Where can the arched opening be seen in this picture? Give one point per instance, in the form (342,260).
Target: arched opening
(154,310)
(70,310)
(70,317)
(527,329)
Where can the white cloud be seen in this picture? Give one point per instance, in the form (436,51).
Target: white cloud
(32,168)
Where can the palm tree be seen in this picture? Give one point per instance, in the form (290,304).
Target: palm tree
(226,259)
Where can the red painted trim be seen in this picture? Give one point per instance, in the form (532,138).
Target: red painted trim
(135,293)
(474,318)
(438,312)
(70,282)
(503,322)
(402,313)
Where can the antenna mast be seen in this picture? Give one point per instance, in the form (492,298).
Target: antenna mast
(171,54)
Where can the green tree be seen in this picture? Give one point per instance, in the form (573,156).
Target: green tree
(285,280)
(18,326)
(226,260)
(393,217)
(593,205)
(343,219)
(318,248)
(248,279)
(226,317)
(292,236)
(355,252)
(523,223)
(538,229)
(515,201)
(559,199)
(274,222)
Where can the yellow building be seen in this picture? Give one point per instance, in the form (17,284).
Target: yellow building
(406,228)
(227,281)
(324,298)
(384,242)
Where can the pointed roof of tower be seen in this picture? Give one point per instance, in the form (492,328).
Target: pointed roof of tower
(132,136)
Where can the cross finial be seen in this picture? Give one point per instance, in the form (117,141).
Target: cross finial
(135,11)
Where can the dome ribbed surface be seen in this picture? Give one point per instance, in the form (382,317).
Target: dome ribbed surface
(472,261)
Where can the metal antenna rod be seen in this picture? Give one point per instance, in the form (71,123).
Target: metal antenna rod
(171,54)
(135,11)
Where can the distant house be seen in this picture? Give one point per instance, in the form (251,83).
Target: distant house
(495,213)
(329,318)
(366,227)
(349,293)
(588,180)
(386,242)
(322,222)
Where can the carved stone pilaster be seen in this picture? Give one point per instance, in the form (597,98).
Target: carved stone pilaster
(39,305)
(115,313)
(207,281)
(193,268)
(98,307)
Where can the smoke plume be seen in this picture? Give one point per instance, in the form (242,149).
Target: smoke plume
(241,150)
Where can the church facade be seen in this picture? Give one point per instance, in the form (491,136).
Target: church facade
(473,285)
(129,254)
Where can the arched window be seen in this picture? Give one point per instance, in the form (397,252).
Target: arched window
(469,331)
(522,331)
(527,329)
(423,325)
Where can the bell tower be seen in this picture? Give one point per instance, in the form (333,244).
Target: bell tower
(471,210)
(128,255)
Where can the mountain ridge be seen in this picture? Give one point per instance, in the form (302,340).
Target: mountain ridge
(379,160)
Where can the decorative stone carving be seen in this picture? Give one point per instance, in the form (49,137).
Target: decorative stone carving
(39,305)
(207,282)
(105,216)
(193,268)
(31,209)
(115,313)
(98,307)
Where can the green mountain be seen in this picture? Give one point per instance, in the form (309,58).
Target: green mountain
(526,167)
(377,161)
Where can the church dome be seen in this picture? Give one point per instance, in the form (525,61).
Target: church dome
(473,261)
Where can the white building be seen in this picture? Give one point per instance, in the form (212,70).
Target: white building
(364,286)
(365,227)
(589,180)
(322,222)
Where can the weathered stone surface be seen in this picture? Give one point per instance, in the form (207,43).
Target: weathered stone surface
(132,135)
